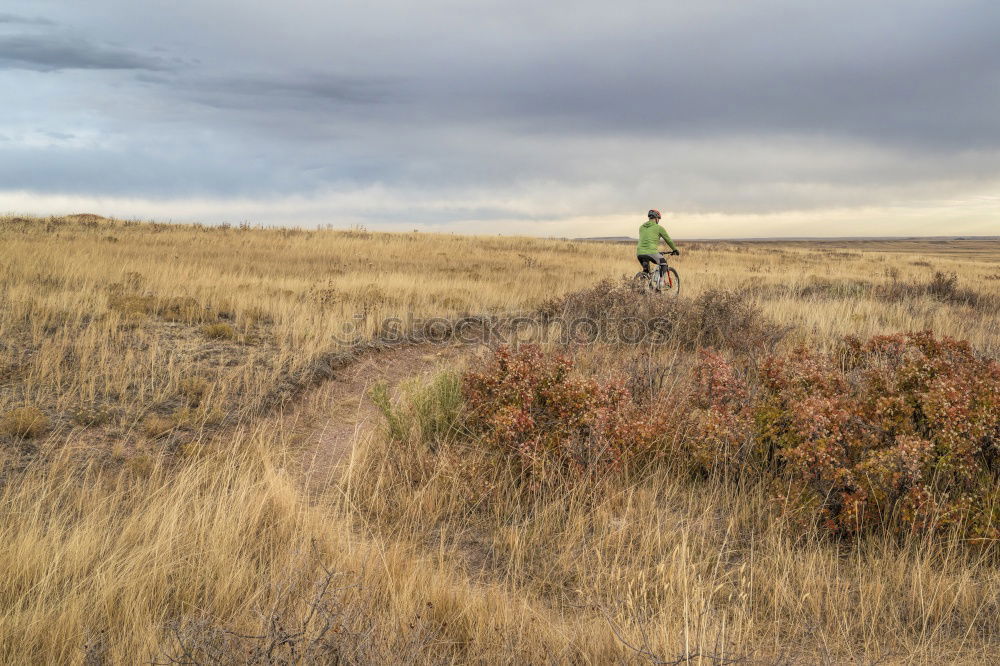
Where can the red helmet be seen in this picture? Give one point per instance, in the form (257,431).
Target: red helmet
(654,214)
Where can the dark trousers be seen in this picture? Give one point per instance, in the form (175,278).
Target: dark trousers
(647,259)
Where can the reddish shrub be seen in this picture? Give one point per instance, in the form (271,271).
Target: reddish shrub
(901,430)
(533,406)
(719,437)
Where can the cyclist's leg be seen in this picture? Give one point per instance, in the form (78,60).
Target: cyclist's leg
(653,258)
(662,261)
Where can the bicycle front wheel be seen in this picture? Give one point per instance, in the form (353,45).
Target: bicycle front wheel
(671,286)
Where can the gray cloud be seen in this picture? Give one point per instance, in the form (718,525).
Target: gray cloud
(322,87)
(929,78)
(24,20)
(715,107)
(52,52)
(313,92)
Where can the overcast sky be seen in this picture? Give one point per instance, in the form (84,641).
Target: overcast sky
(772,117)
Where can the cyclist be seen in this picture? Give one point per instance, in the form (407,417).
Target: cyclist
(648,250)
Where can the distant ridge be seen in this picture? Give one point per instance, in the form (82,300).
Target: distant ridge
(811,239)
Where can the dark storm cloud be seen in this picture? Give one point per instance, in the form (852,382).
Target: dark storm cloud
(313,91)
(24,20)
(54,52)
(714,106)
(915,78)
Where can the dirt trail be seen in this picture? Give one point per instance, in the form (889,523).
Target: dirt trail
(334,416)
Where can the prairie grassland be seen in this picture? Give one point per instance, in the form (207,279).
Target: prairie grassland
(828,292)
(148,330)
(185,531)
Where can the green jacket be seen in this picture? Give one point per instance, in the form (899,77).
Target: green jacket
(649,238)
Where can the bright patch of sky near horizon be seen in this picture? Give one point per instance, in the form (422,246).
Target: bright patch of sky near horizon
(567,119)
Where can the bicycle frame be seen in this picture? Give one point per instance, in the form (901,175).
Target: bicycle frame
(655,277)
(666,273)
(669,282)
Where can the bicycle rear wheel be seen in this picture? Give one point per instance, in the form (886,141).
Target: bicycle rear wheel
(641,282)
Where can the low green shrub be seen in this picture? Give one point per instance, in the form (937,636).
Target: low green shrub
(431,413)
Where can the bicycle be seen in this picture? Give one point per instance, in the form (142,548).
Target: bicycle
(669,284)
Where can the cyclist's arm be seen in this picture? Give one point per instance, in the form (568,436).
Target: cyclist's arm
(665,236)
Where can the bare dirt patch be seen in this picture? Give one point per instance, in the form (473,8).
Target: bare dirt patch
(328,421)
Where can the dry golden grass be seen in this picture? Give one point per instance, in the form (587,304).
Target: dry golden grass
(825,292)
(111,316)
(23,423)
(671,567)
(113,328)
(201,532)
